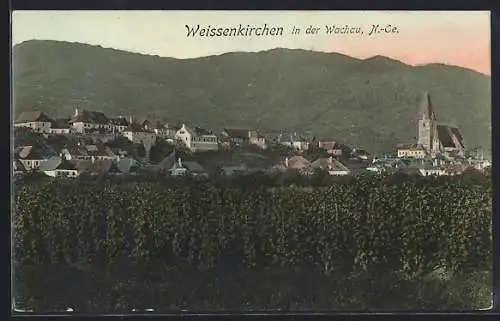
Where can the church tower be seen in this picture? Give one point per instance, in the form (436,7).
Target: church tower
(427,125)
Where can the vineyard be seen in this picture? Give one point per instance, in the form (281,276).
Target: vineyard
(368,226)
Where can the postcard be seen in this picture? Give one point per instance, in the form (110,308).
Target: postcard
(251,161)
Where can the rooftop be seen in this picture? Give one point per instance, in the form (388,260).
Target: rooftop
(32,116)
(92,117)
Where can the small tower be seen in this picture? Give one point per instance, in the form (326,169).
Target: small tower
(76,113)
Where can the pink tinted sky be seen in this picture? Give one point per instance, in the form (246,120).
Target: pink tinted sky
(459,38)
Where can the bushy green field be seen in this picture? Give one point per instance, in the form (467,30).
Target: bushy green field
(390,231)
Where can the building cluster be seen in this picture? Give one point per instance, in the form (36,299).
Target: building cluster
(438,150)
(434,139)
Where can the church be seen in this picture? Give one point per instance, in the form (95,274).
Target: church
(434,138)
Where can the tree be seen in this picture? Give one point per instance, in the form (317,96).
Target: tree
(138,150)
(119,142)
(160,150)
(474,177)
(58,142)
(26,137)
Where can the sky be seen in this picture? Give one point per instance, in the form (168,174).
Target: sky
(460,38)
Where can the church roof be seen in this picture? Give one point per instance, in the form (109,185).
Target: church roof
(446,133)
(456,132)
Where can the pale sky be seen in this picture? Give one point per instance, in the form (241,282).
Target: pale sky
(459,38)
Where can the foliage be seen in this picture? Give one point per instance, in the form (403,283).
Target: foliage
(160,150)
(168,288)
(119,142)
(412,225)
(27,137)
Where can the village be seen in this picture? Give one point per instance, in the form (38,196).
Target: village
(91,143)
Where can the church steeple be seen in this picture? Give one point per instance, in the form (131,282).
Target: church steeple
(426,111)
(427,125)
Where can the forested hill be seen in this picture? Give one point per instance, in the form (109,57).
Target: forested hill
(371,103)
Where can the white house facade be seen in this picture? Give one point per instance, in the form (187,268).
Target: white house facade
(89,121)
(197,140)
(36,120)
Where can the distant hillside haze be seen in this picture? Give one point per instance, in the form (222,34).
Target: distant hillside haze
(370,104)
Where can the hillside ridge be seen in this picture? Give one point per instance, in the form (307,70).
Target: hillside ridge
(371,103)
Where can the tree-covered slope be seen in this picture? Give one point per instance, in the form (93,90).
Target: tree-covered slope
(370,103)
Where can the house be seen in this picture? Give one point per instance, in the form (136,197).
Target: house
(93,166)
(126,166)
(197,139)
(64,168)
(182,168)
(138,134)
(329,146)
(410,151)
(36,120)
(18,167)
(480,164)
(432,171)
(295,141)
(161,128)
(376,168)
(60,126)
(272,138)
(99,152)
(236,137)
(332,165)
(360,154)
(30,156)
(164,130)
(299,163)
(177,169)
(434,137)
(195,169)
(85,151)
(165,165)
(119,124)
(90,121)
(239,137)
(296,162)
(74,152)
(458,169)
(257,139)
(153,124)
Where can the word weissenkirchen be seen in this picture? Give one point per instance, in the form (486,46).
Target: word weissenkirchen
(240,31)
